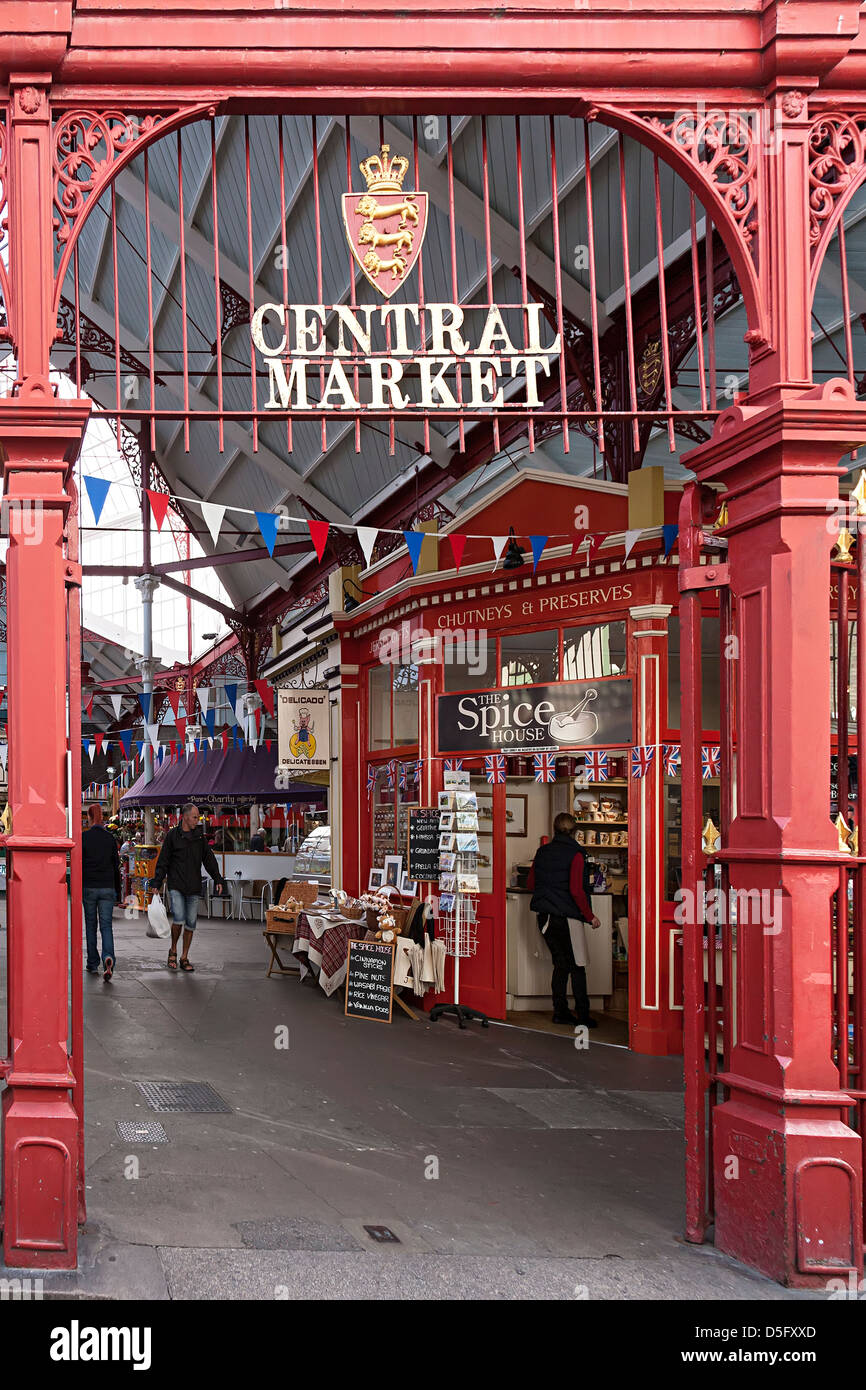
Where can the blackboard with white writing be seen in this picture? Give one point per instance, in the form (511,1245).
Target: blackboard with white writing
(422,856)
(370,980)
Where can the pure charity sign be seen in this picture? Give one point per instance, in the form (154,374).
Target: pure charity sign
(400,357)
(536,718)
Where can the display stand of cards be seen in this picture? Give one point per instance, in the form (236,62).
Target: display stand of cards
(461,922)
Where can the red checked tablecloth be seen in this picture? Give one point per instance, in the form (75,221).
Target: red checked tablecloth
(322,943)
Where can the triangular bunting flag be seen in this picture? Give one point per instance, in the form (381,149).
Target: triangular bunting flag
(145,699)
(139,743)
(669,537)
(414,541)
(213,515)
(268,744)
(319,536)
(367,539)
(97,491)
(88,706)
(225,738)
(594,544)
(579,539)
(181,728)
(152,731)
(116,704)
(126,739)
(498,543)
(458,545)
(174,701)
(203,694)
(231,694)
(631,539)
(268,523)
(266,693)
(158,505)
(100,738)
(91,749)
(210,721)
(538,543)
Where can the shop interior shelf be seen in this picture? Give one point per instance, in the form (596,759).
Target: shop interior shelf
(581,821)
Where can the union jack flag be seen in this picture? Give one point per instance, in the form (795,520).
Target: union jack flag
(641,759)
(671,754)
(596,767)
(545,767)
(371,779)
(494,766)
(711,761)
(453,764)
(417,774)
(402,782)
(390,771)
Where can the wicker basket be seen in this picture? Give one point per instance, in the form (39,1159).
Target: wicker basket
(398,913)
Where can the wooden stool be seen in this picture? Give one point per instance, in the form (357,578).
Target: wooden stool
(272,936)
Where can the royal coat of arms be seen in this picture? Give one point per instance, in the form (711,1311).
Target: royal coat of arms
(385,227)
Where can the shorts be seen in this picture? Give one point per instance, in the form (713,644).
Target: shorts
(184,909)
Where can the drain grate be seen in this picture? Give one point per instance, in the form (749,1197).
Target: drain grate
(142,1131)
(383,1235)
(191,1097)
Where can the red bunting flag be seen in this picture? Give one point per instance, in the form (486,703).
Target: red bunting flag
(458,545)
(595,543)
(99,739)
(89,706)
(172,745)
(268,742)
(266,693)
(225,738)
(258,719)
(181,728)
(319,536)
(158,505)
(578,542)
(174,701)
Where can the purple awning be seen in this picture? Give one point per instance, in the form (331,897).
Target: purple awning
(238,775)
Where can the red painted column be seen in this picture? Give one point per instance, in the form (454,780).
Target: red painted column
(655,1025)
(354,803)
(40,437)
(787,1166)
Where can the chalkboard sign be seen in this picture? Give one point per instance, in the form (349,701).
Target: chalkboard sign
(423,850)
(370,980)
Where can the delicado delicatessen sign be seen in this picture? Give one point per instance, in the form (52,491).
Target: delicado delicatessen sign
(536,718)
(440,356)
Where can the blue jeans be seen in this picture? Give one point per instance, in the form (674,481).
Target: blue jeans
(184,909)
(98,904)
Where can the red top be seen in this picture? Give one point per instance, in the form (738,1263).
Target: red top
(575,885)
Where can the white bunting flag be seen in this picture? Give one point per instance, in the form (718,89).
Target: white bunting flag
(631,539)
(153,734)
(367,536)
(91,749)
(213,515)
(203,693)
(498,547)
(117,702)
(4,753)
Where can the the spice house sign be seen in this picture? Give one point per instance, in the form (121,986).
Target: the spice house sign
(536,718)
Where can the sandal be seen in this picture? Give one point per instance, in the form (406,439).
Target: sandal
(172,960)
(185,965)
(108,969)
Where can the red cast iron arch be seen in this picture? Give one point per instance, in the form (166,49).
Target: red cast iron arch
(837,168)
(732,204)
(121,138)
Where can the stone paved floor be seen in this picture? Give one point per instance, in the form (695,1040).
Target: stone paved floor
(559,1173)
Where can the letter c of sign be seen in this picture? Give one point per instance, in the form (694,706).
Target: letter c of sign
(521,723)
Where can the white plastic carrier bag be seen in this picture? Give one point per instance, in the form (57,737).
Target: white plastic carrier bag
(157,918)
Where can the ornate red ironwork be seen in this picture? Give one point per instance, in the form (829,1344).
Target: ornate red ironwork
(722,145)
(837,165)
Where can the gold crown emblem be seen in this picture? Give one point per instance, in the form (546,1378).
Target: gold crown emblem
(384,175)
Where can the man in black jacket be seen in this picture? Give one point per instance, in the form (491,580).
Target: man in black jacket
(561,884)
(185,852)
(101,882)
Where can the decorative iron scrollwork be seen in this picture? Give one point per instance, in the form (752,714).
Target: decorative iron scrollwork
(86,145)
(724,146)
(837,160)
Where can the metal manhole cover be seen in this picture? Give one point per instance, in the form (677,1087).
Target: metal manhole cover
(142,1131)
(192,1097)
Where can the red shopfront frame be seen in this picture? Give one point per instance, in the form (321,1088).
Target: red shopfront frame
(531,605)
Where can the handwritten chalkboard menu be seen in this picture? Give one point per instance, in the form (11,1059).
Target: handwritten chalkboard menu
(369,980)
(423,852)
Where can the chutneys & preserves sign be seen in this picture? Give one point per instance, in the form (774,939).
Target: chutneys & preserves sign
(536,718)
(303,719)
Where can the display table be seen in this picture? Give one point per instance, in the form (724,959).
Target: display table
(322,941)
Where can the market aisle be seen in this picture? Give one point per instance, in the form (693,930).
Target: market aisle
(558,1170)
